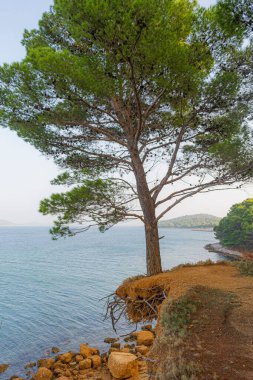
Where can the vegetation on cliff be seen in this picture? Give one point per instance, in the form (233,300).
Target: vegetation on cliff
(236,229)
(191,221)
(111,88)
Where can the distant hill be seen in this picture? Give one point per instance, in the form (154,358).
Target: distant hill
(191,221)
(6,223)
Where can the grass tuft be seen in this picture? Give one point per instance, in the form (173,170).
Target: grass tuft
(181,370)
(245,267)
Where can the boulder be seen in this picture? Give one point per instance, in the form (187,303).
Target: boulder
(67,357)
(143,350)
(60,365)
(59,371)
(104,357)
(87,351)
(96,361)
(85,364)
(123,365)
(125,349)
(67,373)
(111,340)
(147,327)
(112,349)
(55,350)
(3,367)
(46,363)
(43,374)
(145,338)
(79,358)
(115,345)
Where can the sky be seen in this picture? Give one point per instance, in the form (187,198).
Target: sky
(25,174)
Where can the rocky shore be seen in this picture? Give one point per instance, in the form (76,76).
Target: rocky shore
(229,253)
(205,309)
(126,359)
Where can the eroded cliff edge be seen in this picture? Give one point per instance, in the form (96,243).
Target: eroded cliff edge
(205,325)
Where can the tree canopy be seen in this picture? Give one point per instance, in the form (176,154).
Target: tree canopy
(112,88)
(236,229)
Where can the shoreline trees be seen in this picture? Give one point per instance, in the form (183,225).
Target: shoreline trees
(236,229)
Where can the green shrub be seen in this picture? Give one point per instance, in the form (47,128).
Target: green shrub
(176,315)
(236,229)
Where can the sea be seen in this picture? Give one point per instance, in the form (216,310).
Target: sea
(51,292)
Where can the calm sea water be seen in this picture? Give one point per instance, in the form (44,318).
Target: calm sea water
(50,290)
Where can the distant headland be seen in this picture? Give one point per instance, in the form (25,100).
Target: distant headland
(196,221)
(6,223)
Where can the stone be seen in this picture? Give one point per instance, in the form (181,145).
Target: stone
(134,334)
(147,327)
(111,340)
(125,349)
(67,357)
(58,371)
(85,364)
(95,351)
(60,365)
(96,361)
(3,367)
(55,350)
(104,357)
(67,373)
(85,350)
(112,349)
(123,365)
(43,374)
(143,350)
(79,358)
(129,338)
(31,365)
(145,338)
(46,363)
(115,345)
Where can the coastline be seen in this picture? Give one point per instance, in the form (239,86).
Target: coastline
(152,353)
(229,253)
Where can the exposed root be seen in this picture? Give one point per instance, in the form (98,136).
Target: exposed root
(138,309)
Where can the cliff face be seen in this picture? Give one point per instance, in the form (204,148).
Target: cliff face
(205,326)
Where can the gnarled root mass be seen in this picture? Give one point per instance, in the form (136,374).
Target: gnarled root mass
(135,308)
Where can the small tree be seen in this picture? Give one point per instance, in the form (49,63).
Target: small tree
(236,229)
(111,88)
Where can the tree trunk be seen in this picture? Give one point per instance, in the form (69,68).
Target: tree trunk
(153,257)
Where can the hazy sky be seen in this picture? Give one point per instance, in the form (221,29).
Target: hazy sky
(24,173)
